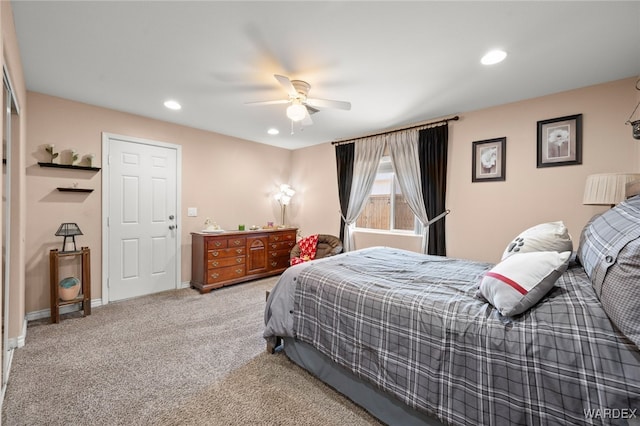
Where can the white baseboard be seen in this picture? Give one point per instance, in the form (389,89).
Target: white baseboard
(12,344)
(18,342)
(46,313)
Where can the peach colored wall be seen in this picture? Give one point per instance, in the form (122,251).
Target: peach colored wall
(315,208)
(227,179)
(486,216)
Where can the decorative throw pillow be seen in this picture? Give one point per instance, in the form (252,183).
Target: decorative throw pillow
(520,281)
(551,236)
(308,247)
(609,251)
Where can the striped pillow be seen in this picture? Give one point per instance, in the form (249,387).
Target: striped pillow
(517,283)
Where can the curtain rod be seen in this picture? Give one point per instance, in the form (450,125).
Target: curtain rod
(402,129)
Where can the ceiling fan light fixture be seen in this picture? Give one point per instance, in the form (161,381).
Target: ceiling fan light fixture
(296,112)
(493,57)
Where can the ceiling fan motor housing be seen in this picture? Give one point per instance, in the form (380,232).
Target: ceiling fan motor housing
(302,87)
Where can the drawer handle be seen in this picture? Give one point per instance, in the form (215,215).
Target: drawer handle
(276,238)
(274,263)
(236,242)
(215,275)
(215,253)
(239,250)
(218,243)
(239,260)
(274,254)
(274,246)
(238,271)
(214,263)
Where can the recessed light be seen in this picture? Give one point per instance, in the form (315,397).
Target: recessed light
(493,57)
(172,105)
(273,131)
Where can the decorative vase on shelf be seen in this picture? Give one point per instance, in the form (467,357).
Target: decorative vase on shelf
(69,288)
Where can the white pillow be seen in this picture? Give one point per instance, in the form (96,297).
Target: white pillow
(519,282)
(551,236)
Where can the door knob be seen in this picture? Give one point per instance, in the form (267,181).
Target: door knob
(172,227)
(171,217)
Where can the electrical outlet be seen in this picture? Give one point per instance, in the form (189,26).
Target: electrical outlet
(192,211)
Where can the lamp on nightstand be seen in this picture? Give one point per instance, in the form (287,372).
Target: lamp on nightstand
(607,188)
(68,230)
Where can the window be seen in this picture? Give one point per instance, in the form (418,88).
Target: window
(386,208)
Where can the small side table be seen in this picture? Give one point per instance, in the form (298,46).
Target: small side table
(85,281)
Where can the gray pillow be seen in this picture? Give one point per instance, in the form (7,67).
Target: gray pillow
(609,251)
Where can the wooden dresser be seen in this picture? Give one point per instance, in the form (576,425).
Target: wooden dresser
(233,257)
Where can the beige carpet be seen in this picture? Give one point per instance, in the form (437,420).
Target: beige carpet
(173,358)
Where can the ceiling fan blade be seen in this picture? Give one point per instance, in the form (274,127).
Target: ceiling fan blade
(326,103)
(276,102)
(310,109)
(307,121)
(286,84)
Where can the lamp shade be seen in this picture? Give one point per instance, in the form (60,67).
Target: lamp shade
(68,230)
(607,188)
(633,188)
(296,112)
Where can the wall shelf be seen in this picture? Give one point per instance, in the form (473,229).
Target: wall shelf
(74,189)
(69,166)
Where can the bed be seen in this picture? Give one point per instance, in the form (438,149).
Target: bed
(418,339)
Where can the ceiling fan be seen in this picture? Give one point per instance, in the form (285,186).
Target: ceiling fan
(301,106)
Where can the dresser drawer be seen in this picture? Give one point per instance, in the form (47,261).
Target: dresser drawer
(224,274)
(225,261)
(236,242)
(216,243)
(279,263)
(227,252)
(282,236)
(273,254)
(282,245)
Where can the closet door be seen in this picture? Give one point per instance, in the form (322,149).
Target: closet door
(10,126)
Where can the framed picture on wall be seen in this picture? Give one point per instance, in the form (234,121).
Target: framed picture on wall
(489,159)
(560,141)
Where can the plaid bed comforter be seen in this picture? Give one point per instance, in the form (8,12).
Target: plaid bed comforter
(411,325)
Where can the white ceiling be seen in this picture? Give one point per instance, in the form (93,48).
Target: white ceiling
(398,63)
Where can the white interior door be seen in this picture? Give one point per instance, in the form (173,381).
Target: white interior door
(142,222)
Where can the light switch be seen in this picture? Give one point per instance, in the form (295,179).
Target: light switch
(192,211)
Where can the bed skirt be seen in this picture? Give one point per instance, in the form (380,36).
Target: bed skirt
(381,405)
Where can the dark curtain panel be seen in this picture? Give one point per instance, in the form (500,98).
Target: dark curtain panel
(432,150)
(344,163)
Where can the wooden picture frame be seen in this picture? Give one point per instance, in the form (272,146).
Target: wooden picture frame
(560,141)
(489,159)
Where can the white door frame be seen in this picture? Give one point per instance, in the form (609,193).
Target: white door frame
(105,205)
